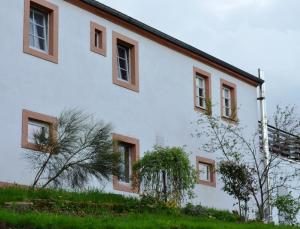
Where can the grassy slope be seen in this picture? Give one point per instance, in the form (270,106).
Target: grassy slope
(156,219)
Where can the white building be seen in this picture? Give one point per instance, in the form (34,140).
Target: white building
(59,54)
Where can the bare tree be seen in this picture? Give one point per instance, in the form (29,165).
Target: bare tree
(81,150)
(230,140)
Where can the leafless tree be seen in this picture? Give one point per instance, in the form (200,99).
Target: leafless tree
(229,139)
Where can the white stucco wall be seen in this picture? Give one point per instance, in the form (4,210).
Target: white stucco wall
(82,79)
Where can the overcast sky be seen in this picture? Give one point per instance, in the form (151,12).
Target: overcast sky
(249,34)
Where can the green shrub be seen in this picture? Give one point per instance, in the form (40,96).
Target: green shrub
(204,212)
(165,174)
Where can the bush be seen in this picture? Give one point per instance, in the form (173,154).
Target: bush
(288,207)
(204,212)
(166,175)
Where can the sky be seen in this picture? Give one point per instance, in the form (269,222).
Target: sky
(248,34)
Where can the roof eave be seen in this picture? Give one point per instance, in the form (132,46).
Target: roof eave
(256,81)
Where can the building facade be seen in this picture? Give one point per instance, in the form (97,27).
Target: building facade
(59,54)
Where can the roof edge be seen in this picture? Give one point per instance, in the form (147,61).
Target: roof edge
(167,40)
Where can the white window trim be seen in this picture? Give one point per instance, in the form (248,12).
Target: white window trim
(39,125)
(229,102)
(198,97)
(45,27)
(208,172)
(129,165)
(127,62)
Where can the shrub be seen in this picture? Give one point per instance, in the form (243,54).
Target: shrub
(288,208)
(165,174)
(204,212)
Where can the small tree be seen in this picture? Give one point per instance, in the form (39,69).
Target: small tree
(165,174)
(288,208)
(238,182)
(81,150)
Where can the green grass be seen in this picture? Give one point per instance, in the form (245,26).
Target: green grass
(21,194)
(44,220)
(96,210)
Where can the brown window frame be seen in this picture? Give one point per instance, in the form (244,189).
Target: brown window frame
(101,29)
(233,94)
(52,11)
(135,154)
(207,77)
(118,38)
(212,165)
(30,115)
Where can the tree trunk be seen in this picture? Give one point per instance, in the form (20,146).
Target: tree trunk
(164,177)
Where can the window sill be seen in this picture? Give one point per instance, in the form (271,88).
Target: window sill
(40,54)
(202,110)
(119,186)
(230,120)
(132,87)
(207,183)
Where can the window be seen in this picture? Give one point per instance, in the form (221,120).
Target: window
(98,39)
(125,62)
(206,171)
(228,101)
(125,158)
(227,108)
(202,90)
(41,29)
(38,32)
(200,95)
(129,154)
(36,127)
(123,57)
(33,123)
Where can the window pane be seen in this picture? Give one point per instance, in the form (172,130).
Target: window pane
(226,102)
(39,18)
(122,63)
(201,102)
(125,166)
(31,15)
(228,111)
(31,40)
(35,127)
(123,75)
(122,51)
(41,44)
(31,28)
(40,31)
(201,92)
(204,172)
(98,35)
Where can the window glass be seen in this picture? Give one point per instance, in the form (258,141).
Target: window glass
(38,30)
(125,166)
(200,92)
(123,63)
(98,40)
(204,172)
(35,127)
(227,102)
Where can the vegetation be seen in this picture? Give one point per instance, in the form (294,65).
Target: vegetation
(165,174)
(81,149)
(288,208)
(238,182)
(115,211)
(229,140)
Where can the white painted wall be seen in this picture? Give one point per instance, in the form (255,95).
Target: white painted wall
(164,106)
